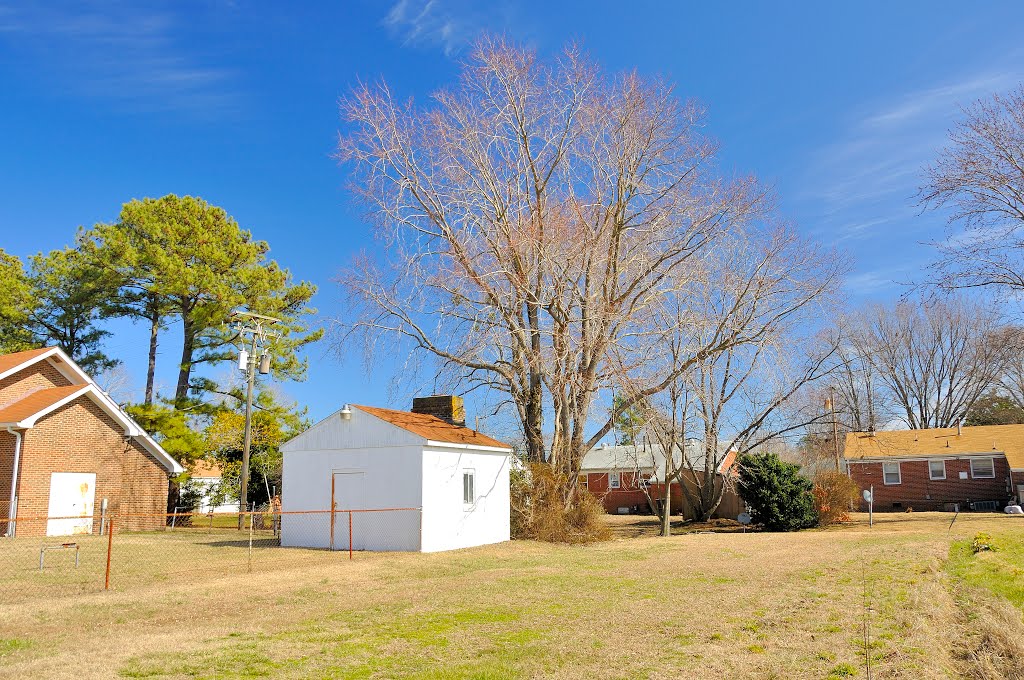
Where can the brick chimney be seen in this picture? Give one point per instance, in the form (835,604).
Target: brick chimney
(446,407)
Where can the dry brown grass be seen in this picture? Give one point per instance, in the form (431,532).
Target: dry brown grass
(691,606)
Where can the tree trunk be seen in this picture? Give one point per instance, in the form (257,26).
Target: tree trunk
(666,511)
(185,368)
(154,330)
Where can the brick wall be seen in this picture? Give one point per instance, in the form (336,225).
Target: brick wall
(629,495)
(38,376)
(81,437)
(916,490)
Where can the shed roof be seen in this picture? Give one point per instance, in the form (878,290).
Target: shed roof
(432,428)
(946,441)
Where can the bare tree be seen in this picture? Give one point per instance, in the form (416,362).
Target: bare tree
(772,289)
(980,179)
(535,215)
(935,359)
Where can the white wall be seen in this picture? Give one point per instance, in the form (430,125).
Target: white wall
(380,466)
(449,524)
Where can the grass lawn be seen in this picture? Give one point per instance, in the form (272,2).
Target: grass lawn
(692,606)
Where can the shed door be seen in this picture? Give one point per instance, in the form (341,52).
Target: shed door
(71,497)
(347,493)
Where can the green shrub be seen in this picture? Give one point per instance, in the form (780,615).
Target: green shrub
(778,497)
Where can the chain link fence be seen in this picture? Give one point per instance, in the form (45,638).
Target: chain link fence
(62,556)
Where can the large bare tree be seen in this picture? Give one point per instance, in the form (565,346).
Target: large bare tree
(979,179)
(536,216)
(935,358)
(773,289)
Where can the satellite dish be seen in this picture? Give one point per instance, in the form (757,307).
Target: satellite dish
(867,495)
(743,518)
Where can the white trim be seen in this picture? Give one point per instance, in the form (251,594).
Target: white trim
(70,370)
(471,473)
(470,447)
(32,419)
(937,479)
(899,473)
(937,456)
(991,476)
(618,480)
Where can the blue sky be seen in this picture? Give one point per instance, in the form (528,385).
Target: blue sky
(838,105)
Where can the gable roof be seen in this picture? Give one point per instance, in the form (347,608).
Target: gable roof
(946,441)
(206,469)
(651,456)
(16,360)
(432,428)
(24,412)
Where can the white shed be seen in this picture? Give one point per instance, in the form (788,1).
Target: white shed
(417,482)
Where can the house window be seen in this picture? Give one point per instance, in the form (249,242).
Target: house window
(468,487)
(936,469)
(891,473)
(614,480)
(582,481)
(983,468)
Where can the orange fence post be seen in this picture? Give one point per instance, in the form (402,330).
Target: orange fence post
(110,548)
(332,512)
(350,534)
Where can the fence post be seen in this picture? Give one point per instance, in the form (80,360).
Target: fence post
(350,534)
(110,548)
(252,515)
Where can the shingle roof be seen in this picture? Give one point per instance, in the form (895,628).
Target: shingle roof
(15,359)
(35,402)
(206,469)
(432,428)
(625,457)
(981,439)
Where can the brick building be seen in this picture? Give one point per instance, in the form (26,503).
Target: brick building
(977,468)
(66,448)
(628,478)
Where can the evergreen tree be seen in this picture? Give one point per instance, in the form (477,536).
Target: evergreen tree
(780,499)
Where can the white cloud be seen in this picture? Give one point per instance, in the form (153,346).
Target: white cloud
(116,52)
(870,176)
(447,24)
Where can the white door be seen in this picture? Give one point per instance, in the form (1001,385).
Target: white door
(71,498)
(347,493)
(1020,494)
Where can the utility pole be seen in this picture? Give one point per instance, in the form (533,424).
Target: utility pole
(251,361)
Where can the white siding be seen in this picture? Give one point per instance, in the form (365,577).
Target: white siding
(361,431)
(380,465)
(389,478)
(449,524)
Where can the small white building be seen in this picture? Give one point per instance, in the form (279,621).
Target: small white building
(417,481)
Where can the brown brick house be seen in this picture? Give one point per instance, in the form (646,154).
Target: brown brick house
(66,447)
(625,477)
(936,469)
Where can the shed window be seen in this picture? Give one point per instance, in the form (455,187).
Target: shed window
(582,481)
(468,487)
(983,468)
(614,480)
(936,469)
(891,473)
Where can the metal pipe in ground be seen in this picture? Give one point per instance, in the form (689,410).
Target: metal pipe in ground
(110,548)
(251,516)
(350,534)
